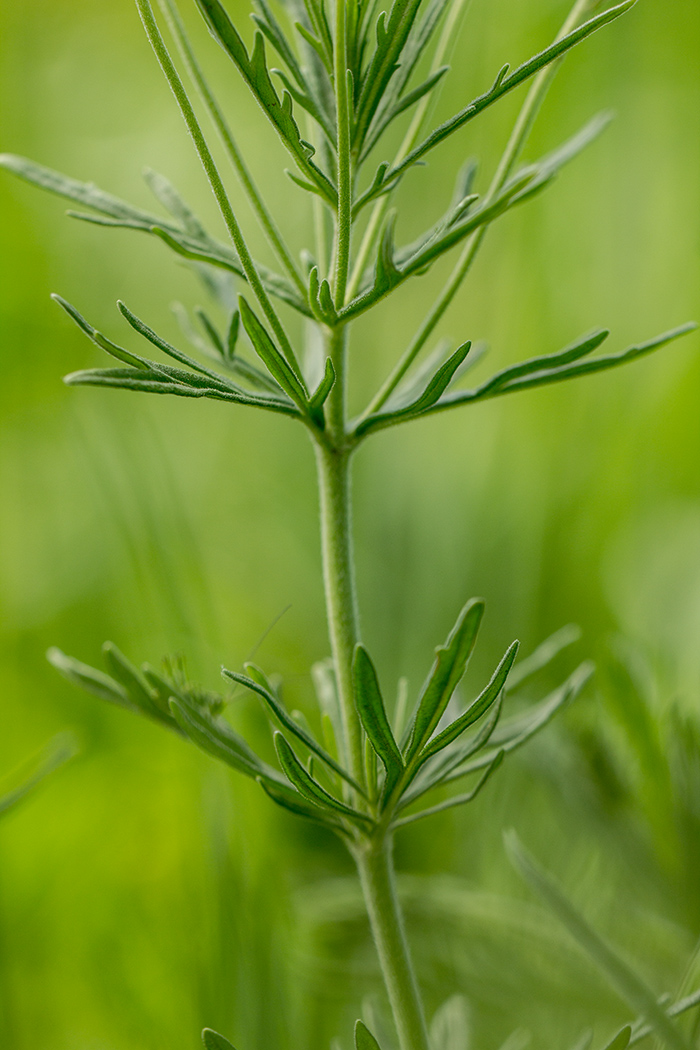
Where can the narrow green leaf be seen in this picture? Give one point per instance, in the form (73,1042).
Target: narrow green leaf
(137,688)
(476,710)
(262,688)
(629,985)
(450,664)
(370,707)
(364,1040)
(436,387)
(143,330)
(165,192)
(271,357)
(310,788)
(89,679)
(390,44)
(85,193)
(169,380)
(101,340)
(436,772)
(320,395)
(291,800)
(554,372)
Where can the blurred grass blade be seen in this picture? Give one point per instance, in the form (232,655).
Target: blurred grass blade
(57,752)
(456,800)
(517,731)
(450,664)
(542,655)
(681,1007)
(629,985)
(450,1028)
(370,707)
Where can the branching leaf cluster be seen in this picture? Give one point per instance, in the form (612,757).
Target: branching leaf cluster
(406,765)
(382,59)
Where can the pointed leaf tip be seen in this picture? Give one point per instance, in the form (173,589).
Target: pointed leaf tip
(364,1040)
(213,1041)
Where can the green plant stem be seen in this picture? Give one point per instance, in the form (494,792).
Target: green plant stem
(333,465)
(375,866)
(514,148)
(166,63)
(344,220)
(270,228)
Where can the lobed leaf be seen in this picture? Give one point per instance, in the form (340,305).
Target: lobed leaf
(254,71)
(505,82)
(392,33)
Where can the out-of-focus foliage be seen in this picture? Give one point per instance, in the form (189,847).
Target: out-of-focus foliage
(141,897)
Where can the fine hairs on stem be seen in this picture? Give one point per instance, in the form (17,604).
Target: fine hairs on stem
(350,72)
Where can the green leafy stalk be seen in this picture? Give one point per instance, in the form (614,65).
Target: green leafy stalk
(212,172)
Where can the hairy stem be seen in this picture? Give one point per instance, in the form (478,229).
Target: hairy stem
(376,869)
(333,465)
(340,59)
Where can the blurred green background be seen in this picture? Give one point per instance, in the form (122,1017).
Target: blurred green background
(145,893)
